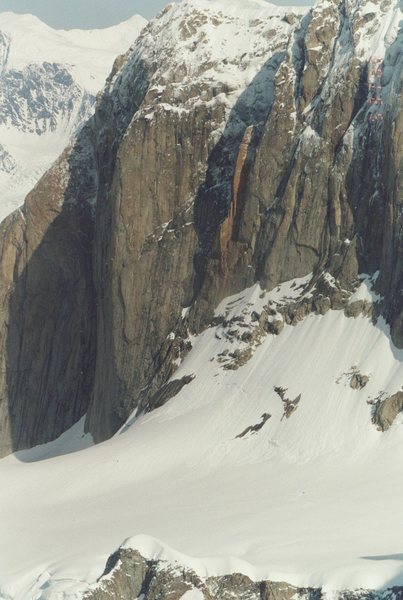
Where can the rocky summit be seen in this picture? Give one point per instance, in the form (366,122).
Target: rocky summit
(209,281)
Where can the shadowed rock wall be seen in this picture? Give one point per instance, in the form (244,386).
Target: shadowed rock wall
(174,197)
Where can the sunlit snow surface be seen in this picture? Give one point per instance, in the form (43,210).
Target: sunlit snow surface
(315,499)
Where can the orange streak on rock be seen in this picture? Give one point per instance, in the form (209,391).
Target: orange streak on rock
(230,224)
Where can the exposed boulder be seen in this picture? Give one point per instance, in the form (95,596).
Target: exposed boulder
(358,381)
(290,405)
(255,428)
(239,358)
(387,410)
(353,309)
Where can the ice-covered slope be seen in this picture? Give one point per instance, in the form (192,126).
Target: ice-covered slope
(312,498)
(48,83)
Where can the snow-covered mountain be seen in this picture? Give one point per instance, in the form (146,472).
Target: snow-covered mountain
(48,83)
(201,375)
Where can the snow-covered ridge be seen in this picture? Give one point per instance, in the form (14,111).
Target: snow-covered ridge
(198,45)
(48,83)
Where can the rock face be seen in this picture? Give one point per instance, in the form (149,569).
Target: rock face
(184,138)
(387,410)
(47,333)
(129,575)
(210,167)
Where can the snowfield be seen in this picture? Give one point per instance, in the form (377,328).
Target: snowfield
(314,499)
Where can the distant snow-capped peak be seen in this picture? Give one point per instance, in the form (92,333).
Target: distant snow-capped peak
(48,83)
(89,54)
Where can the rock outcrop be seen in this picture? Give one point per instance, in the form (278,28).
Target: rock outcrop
(208,170)
(386,411)
(129,575)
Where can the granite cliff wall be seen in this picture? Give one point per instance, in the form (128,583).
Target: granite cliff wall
(193,182)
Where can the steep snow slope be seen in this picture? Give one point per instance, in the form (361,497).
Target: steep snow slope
(48,82)
(312,498)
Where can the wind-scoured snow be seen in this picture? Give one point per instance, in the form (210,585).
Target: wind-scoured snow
(313,499)
(48,82)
